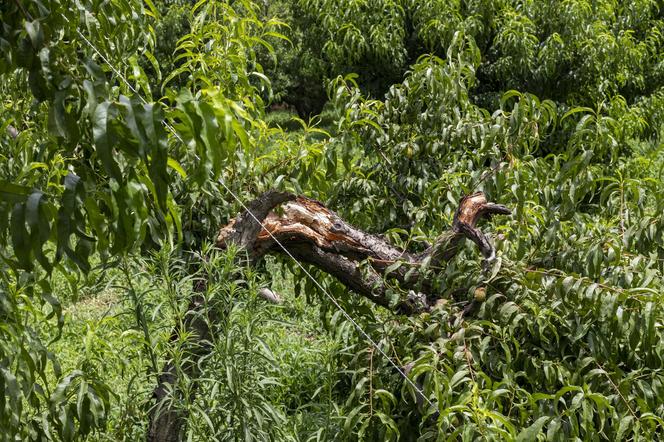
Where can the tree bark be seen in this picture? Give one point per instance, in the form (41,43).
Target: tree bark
(313,234)
(166,418)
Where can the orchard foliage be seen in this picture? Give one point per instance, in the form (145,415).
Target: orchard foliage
(92,172)
(124,125)
(552,335)
(575,51)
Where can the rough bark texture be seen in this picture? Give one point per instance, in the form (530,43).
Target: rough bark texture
(313,234)
(166,418)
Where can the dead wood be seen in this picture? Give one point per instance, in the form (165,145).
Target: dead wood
(316,235)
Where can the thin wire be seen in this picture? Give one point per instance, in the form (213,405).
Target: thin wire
(122,77)
(329,296)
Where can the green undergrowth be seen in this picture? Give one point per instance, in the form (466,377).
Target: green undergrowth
(131,130)
(100,337)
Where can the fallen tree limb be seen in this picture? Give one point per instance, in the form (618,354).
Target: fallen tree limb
(314,234)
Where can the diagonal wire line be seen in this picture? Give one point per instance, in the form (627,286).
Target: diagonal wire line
(237,198)
(121,76)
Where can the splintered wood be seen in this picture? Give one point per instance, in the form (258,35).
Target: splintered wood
(314,234)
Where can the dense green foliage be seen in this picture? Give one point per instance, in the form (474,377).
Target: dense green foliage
(125,125)
(574,52)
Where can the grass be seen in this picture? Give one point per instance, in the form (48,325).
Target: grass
(100,336)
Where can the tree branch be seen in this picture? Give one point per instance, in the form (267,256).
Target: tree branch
(314,234)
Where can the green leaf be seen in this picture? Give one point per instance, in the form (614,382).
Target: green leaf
(12,192)
(576,110)
(103,137)
(623,427)
(20,237)
(530,433)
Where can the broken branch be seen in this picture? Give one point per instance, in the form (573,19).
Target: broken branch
(314,234)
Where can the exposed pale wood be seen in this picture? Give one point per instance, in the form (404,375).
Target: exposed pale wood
(270,296)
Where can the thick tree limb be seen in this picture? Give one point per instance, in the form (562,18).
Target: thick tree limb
(314,234)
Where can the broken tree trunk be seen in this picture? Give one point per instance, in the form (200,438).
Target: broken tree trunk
(314,234)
